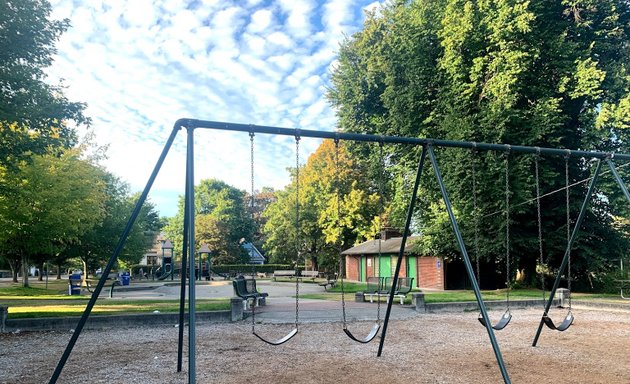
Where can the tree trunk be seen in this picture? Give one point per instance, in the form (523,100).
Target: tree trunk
(25,271)
(41,271)
(15,269)
(58,271)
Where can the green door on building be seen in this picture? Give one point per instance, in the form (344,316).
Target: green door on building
(362,261)
(412,270)
(385,266)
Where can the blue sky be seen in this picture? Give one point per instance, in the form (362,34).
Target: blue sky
(142,64)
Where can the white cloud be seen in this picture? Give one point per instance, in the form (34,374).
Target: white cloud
(142,64)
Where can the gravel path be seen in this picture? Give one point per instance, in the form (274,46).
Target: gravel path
(432,348)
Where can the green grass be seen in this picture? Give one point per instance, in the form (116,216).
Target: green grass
(117,307)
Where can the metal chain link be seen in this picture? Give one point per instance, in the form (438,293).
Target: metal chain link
(476,213)
(340,242)
(507,226)
(566,180)
(539,219)
(380,220)
(297,226)
(251,156)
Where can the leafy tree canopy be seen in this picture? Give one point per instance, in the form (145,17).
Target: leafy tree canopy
(34,116)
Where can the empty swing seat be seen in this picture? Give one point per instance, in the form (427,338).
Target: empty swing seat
(566,323)
(505,320)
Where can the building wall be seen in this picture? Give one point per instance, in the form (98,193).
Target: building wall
(429,270)
(431,273)
(352,268)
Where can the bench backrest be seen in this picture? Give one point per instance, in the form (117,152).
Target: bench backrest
(374,284)
(404,286)
(309,273)
(250,286)
(240,287)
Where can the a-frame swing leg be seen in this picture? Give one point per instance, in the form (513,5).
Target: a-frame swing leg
(469,268)
(624,189)
(190,212)
(565,259)
(182,293)
(401,252)
(114,256)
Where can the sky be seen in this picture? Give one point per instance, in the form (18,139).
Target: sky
(142,64)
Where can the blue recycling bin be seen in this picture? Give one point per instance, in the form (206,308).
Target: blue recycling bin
(74,284)
(125,278)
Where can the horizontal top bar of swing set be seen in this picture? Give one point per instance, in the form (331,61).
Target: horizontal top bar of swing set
(296,132)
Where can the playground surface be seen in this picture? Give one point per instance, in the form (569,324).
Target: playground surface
(427,348)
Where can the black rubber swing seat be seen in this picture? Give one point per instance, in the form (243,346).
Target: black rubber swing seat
(566,323)
(505,320)
(368,338)
(279,341)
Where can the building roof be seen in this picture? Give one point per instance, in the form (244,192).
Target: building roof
(371,247)
(255,257)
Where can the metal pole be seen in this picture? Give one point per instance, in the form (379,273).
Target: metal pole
(565,259)
(190,212)
(397,140)
(112,259)
(182,294)
(469,268)
(401,252)
(624,189)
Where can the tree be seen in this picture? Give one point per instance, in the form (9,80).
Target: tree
(324,225)
(96,245)
(530,73)
(49,203)
(35,117)
(221,221)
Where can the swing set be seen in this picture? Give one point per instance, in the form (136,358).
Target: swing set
(427,148)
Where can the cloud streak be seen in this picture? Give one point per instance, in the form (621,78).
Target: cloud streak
(140,65)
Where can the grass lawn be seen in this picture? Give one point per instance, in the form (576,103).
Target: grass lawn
(38,302)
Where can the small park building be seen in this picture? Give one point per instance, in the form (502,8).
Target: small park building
(373,259)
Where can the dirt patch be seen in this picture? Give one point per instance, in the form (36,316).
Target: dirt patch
(432,348)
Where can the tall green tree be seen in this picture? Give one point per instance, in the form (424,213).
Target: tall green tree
(35,116)
(550,73)
(324,224)
(221,221)
(49,203)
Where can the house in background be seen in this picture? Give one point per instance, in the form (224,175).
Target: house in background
(363,261)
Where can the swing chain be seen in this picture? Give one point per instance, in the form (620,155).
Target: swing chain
(567,198)
(507,224)
(297,224)
(340,241)
(251,157)
(475,209)
(539,219)
(381,162)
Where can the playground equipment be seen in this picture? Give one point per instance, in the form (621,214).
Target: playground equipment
(568,319)
(377,325)
(294,331)
(427,146)
(507,315)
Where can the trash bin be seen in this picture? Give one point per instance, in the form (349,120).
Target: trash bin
(74,285)
(125,278)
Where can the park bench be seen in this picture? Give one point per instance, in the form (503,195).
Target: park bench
(331,279)
(377,286)
(290,273)
(374,286)
(246,290)
(309,275)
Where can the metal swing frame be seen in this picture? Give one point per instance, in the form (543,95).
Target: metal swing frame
(427,145)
